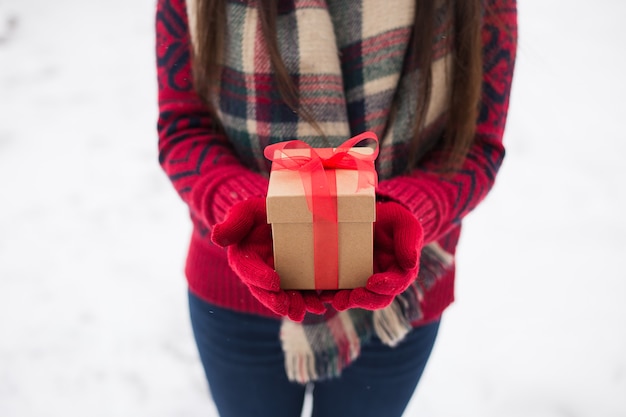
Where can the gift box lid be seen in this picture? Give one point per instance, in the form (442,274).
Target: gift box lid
(287,203)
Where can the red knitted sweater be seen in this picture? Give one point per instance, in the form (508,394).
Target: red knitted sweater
(211,173)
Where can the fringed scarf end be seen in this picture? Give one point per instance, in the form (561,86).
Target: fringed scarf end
(390,324)
(320,350)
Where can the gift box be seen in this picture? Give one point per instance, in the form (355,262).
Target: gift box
(321,205)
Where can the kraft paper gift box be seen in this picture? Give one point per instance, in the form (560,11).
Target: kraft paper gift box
(311,251)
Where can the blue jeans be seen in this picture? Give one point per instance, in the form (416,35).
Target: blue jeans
(243,362)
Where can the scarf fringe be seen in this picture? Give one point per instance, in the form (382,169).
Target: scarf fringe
(337,343)
(390,324)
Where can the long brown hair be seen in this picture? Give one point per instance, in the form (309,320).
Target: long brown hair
(465,15)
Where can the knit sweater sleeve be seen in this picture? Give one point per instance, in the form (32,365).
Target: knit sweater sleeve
(196,156)
(438,201)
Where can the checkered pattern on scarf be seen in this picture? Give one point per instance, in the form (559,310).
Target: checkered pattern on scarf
(348,61)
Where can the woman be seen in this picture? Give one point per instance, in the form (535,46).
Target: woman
(431,79)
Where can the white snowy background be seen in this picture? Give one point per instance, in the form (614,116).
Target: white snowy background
(93,315)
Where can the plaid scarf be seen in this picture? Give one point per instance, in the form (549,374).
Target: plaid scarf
(349,63)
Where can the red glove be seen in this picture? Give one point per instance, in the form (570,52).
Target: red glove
(249,240)
(398,240)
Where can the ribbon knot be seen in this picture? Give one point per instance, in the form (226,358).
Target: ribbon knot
(315,161)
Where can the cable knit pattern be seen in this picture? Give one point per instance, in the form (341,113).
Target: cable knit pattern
(349,79)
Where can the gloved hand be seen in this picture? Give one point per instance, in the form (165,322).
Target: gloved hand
(248,237)
(398,240)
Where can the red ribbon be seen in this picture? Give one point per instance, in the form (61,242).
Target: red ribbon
(317,171)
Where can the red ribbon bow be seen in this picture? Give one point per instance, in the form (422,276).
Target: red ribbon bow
(320,188)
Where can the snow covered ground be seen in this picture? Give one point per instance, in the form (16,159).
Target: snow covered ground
(93,318)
